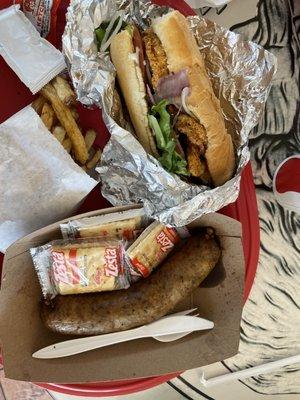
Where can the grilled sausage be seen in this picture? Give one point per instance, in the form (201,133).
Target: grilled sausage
(144,302)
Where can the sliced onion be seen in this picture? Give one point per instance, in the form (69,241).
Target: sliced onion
(107,39)
(175,102)
(135,56)
(184,94)
(179,148)
(178,145)
(176,115)
(138,45)
(171,85)
(137,52)
(110,26)
(150,95)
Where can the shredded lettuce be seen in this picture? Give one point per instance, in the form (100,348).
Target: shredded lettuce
(160,123)
(99,32)
(159,136)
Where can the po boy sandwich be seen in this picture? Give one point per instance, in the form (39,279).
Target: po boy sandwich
(175,114)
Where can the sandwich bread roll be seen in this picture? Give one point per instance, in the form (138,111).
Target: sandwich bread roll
(175,51)
(133,88)
(182,52)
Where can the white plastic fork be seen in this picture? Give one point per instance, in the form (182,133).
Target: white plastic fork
(176,336)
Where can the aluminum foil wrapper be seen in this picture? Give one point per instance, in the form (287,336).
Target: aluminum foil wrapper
(240,71)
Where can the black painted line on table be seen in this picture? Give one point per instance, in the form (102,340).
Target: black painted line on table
(256,390)
(179,391)
(205,10)
(194,388)
(226,366)
(2,393)
(221,9)
(50,394)
(242,24)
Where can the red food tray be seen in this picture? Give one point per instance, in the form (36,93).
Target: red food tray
(244,209)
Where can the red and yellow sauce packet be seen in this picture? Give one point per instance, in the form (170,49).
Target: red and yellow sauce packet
(151,248)
(80,266)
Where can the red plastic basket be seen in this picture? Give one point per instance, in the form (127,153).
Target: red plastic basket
(244,209)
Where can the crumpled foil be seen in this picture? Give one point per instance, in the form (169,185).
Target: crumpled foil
(240,71)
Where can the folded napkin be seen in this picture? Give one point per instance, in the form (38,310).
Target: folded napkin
(31,57)
(40,182)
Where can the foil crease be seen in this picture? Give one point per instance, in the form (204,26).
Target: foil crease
(241,74)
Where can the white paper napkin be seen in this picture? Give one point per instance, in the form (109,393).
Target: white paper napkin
(31,57)
(39,181)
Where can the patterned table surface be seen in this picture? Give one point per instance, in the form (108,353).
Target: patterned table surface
(270,327)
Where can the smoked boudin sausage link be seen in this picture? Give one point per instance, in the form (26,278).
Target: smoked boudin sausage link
(144,302)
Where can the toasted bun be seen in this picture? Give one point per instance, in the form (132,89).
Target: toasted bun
(133,88)
(182,52)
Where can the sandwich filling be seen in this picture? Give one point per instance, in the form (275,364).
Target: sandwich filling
(180,138)
(194,132)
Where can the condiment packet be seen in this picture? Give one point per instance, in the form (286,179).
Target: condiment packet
(31,57)
(152,247)
(42,14)
(40,182)
(122,225)
(80,266)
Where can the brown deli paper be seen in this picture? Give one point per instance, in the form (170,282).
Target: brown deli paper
(219,299)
